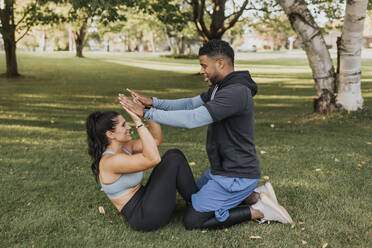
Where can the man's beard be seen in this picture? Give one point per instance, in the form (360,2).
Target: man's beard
(213,81)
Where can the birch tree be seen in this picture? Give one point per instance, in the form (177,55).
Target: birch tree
(327,86)
(320,60)
(349,94)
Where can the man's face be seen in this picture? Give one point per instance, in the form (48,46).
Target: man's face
(209,69)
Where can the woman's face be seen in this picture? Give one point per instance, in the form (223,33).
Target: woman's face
(122,130)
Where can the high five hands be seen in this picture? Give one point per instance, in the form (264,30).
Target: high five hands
(137,105)
(146,101)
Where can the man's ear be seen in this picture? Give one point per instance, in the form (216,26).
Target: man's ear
(221,63)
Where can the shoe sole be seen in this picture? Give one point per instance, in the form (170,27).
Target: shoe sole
(271,192)
(267,200)
(285,211)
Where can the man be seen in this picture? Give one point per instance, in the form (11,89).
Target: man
(228,110)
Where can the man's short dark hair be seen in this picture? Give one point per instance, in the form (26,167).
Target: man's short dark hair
(215,48)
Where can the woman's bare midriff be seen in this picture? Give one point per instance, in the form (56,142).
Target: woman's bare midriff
(120,201)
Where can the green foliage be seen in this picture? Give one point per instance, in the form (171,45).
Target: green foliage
(28,14)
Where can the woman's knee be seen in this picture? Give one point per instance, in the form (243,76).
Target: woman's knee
(174,155)
(173,152)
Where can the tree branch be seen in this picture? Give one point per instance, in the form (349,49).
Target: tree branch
(236,17)
(23,17)
(198,13)
(28,29)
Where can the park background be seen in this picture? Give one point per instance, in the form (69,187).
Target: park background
(319,163)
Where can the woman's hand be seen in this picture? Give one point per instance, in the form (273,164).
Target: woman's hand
(133,106)
(146,101)
(137,120)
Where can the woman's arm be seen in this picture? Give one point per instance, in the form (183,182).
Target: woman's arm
(123,163)
(135,146)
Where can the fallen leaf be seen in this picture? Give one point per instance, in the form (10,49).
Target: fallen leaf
(301,223)
(28,204)
(262,152)
(358,168)
(323,118)
(272,125)
(266,178)
(255,237)
(363,162)
(304,242)
(369,143)
(101,210)
(289,122)
(192,163)
(359,165)
(337,160)
(317,169)
(324,245)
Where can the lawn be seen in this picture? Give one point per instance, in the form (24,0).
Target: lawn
(319,165)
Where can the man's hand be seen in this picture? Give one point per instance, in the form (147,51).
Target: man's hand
(146,101)
(135,107)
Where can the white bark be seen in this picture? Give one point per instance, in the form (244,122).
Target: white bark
(317,53)
(349,86)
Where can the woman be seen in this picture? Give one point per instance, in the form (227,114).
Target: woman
(119,162)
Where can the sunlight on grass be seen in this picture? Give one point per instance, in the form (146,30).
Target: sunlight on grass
(369,94)
(261,96)
(298,86)
(275,105)
(156,65)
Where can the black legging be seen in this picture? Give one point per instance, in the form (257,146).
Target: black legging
(152,205)
(207,220)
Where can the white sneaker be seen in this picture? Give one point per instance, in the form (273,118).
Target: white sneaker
(271,210)
(268,189)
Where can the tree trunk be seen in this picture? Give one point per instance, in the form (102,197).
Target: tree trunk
(80,38)
(8,34)
(317,53)
(219,22)
(70,40)
(152,42)
(349,95)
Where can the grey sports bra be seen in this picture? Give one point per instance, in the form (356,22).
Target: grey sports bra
(123,183)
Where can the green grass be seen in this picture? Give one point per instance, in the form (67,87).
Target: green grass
(49,197)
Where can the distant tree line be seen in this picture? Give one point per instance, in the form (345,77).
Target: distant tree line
(183,20)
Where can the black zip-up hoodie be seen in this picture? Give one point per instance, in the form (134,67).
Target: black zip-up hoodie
(230,146)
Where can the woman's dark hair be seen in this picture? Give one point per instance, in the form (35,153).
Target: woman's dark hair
(216,48)
(97,124)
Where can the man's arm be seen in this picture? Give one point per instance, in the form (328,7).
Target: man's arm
(178,104)
(180,118)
